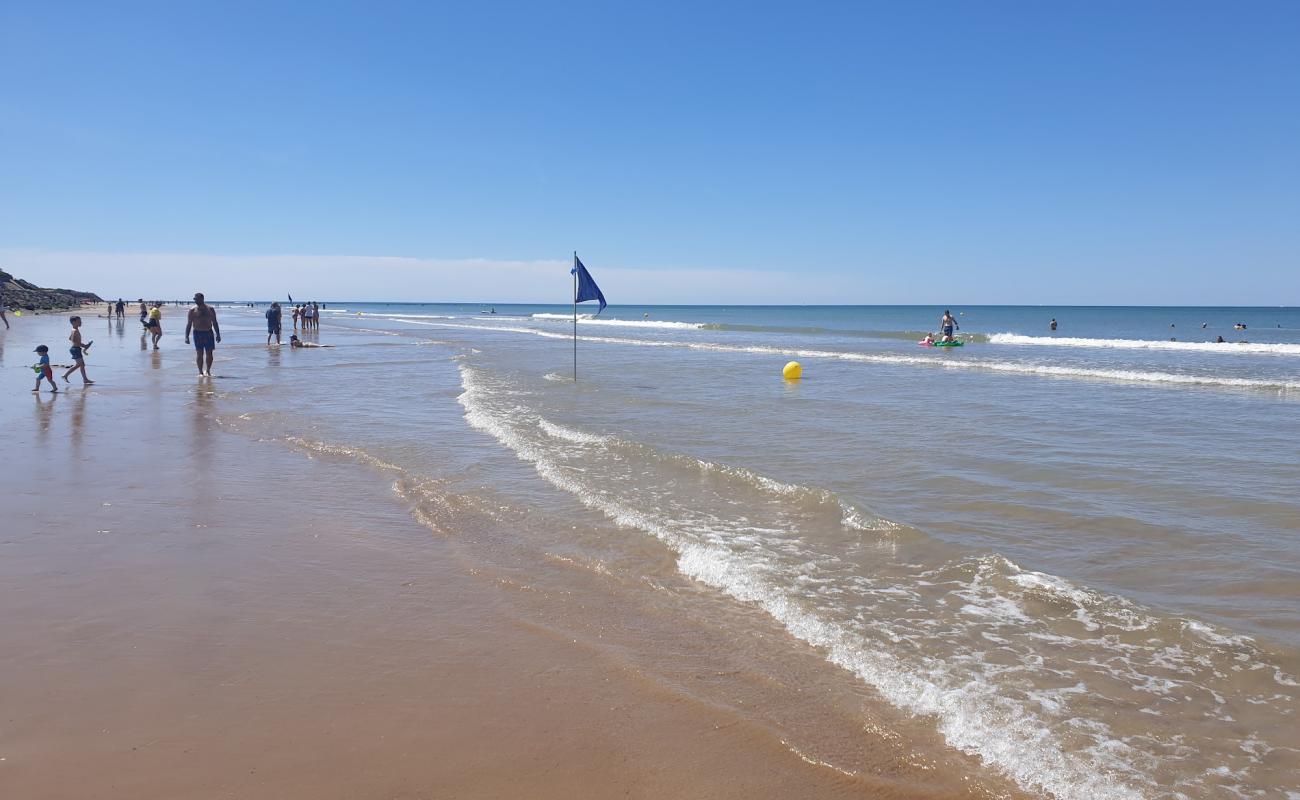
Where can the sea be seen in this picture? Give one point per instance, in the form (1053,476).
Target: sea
(1070,557)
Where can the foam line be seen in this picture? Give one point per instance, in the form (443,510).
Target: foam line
(935,360)
(1224,348)
(587,319)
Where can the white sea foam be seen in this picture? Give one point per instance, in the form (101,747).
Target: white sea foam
(1227,348)
(570,435)
(389,315)
(1154,377)
(340,450)
(588,319)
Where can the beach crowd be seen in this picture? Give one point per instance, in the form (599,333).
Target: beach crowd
(202,329)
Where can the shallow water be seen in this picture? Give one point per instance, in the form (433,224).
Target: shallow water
(1072,557)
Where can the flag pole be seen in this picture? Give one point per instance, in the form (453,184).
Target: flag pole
(575,316)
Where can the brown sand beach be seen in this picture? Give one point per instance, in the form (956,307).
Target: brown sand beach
(192,610)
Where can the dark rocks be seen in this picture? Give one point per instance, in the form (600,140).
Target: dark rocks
(16,293)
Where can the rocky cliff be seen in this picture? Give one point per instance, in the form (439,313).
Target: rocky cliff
(17,293)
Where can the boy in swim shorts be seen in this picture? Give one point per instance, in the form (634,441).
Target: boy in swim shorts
(43,370)
(77,351)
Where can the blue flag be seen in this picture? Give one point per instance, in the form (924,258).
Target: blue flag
(587,288)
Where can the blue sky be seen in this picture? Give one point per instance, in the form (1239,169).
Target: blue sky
(1054,152)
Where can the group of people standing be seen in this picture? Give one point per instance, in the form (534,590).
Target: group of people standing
(308,314)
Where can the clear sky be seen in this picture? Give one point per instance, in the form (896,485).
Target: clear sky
(960,152)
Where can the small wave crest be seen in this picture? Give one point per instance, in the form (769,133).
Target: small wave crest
(812,498)
(1228,348)
(588,319)
(571,435)
(391,315)
(431,501)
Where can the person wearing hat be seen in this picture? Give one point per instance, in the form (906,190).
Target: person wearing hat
(43,369)
(273,317)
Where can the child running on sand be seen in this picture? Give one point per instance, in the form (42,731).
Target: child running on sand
(76,351)
(43,370)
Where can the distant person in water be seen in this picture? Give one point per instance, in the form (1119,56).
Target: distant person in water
(297,314)
(1219,341)
(121,309)
(1052,325)
(273,316)
(77,351)
(202,320)
(947,324)
(144,312)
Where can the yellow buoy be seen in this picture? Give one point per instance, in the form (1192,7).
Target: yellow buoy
(793,371)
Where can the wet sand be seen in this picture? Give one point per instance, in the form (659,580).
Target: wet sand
(192,613)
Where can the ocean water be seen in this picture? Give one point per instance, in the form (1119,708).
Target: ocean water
(1071,557)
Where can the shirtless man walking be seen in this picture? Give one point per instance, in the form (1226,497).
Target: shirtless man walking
(947,324)
(202,320)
